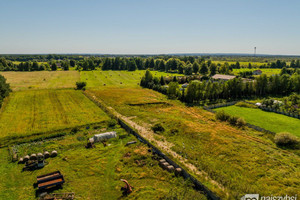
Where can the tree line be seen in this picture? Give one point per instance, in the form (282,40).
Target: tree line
(4,89)
(187,65)
(6,65)
(236,88)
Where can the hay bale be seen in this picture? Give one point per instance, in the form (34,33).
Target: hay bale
(33,156)
(14,157)
(170,168)
(162,160)
(164,165)
(26,158)
(40,156)
(46,154)
(178,171)
(53,153)
(21,161)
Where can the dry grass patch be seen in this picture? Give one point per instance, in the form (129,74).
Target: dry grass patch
(240,161)
(41,79)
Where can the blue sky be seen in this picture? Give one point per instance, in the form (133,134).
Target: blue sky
(150,26)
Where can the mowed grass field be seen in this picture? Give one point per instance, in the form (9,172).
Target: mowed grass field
(268,72)
(41,79)
(93,173)
(268,120)
(117,78)
(27,112)
(239,161)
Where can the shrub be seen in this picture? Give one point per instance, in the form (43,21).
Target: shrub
(286,139)
(112,123)
(233,120)
(221,115)
(74,130)
(158,128)
(80,85)
(245,105)
(240,122)
(174,131)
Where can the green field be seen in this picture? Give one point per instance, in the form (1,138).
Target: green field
(117,78)
(230,161)
(93,173)
(244,64)
(41,79)
(268,72)
(268,120)
(27,112)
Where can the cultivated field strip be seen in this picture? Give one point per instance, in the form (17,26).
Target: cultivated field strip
(97,79)
(28,112)
(41,79)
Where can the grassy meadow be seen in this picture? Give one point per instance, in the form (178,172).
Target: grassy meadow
(268,120)
(41,79)
(231,161)
(243,64)
(27,112)
(121,79)
(268,72)
(93,173)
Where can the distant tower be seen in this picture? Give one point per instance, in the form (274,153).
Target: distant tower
(254,51)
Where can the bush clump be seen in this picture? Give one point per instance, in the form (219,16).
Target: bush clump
(286,139)
(80,85)
(74,130)
(222,116)
(240,122)
(233,120)
(158,128)
(112,123)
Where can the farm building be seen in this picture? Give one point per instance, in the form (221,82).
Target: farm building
(257,72)
(223,77)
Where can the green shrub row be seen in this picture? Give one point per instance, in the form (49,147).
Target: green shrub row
(233,120)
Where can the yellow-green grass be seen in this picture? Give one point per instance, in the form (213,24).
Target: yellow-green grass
(27,112)
(268,72)
(117,78)
(244,64)
(41,79)
(240,161)
(268,120)
(93,173)
(18,62)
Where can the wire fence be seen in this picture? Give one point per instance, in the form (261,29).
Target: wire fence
(211,107)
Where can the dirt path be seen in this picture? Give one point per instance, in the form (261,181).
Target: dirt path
(165,146)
